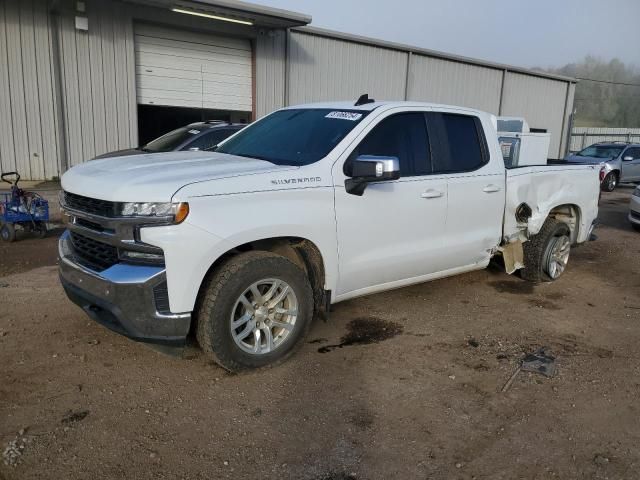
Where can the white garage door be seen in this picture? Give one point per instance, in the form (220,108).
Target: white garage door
(187,69)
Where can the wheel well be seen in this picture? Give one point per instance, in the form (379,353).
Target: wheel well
(569,214)
(300,251)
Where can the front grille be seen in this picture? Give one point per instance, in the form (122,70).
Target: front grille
(161,297)
(92,206)
(93,254)
(93,226)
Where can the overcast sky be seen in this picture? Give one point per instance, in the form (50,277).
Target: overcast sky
(528,33)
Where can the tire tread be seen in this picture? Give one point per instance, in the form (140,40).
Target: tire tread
(534,250)
(210,339)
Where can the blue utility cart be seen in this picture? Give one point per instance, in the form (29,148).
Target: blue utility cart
(21,209)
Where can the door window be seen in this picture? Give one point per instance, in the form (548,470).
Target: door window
(632,152)
(403,136)
(460,145)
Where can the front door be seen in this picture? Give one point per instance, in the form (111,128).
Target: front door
(395,231)
(631,168)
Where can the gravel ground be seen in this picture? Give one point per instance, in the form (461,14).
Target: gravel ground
(404,384)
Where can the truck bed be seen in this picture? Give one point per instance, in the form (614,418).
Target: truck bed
(545,187)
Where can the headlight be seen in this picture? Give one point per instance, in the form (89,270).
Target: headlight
(178,211)
(636,192)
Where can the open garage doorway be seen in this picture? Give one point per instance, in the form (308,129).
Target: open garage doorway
(154,120)
(185,76)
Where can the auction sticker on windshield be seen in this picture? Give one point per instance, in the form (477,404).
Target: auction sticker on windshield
(344,115)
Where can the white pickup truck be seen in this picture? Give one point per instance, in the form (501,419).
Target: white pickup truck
(307,207)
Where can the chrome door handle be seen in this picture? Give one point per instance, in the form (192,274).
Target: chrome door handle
(431,194)
(491,189)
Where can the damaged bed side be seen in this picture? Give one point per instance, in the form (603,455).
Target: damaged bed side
(566,193)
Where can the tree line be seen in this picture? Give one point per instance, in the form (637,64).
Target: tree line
(613,101)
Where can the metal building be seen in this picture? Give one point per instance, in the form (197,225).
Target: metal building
(80,78)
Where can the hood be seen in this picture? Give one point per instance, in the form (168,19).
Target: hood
(588,160)
(156,177)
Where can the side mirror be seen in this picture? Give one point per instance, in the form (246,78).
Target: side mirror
(368,169)
(628,158)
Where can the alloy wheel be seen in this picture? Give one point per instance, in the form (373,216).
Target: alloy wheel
(264,316)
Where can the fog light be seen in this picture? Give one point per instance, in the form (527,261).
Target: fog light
(142,257)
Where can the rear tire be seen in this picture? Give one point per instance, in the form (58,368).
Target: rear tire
(229,299)
(8,232)
(547,253)
(636,227)
(610,182)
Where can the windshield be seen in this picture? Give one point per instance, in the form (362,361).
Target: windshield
(293,137)
(171,140)
(600,151)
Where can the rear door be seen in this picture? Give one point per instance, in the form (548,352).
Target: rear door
(631,168)
(475,185)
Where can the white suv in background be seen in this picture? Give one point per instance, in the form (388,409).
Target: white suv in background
(634,211)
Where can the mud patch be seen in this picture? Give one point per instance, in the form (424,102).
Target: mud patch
(616,201)
(73,417)
(546,304)
(515,288)
(362,419)
(337,476)
(364,331)
(555,295)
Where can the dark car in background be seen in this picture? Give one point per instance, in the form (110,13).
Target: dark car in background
(195,137)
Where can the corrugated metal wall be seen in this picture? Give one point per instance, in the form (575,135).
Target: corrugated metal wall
(454,83)
(270,51)
(98,75)
(568,111)
(97,91)
(541,101)
(28,122)
(323,68)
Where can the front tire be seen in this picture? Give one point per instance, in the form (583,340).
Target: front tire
(256,309)
(610,182)
(546,254)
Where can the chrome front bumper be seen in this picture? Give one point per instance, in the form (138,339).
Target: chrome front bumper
(122,298)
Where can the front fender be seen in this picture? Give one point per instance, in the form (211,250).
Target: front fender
(219,223)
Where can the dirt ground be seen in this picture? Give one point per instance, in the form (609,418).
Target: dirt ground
(413,393)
